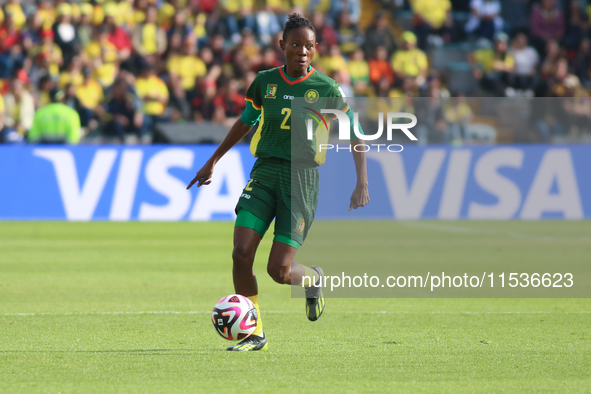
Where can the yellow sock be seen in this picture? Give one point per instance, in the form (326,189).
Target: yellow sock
(255,300)
(309,273)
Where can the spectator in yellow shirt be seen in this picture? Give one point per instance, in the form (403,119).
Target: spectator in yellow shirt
(250,48)
(493,67)
(90,96)
(100,48)
(154,94)
(139,11)
(45,13)
(45,85)
(185,68)
(122,11)
(333,61)
(1,113)
(315,6)
(98,15)
(47,55)
(358,72)
(19,109)
(457,114)
(149,39)
(200,28)
(410,62)
(166,13)
(102,55)
(431,17)
(348,34)
(85,26)
(13,7)
(73,74)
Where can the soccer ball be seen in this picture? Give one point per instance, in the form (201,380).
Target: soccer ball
(234,317)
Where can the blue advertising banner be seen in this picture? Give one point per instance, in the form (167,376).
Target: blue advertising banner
(436,182)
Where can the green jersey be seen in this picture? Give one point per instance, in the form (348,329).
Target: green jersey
(272,93)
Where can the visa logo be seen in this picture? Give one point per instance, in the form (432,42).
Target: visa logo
(80,198)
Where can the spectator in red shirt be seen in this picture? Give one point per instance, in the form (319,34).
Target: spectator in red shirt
(380,67)
(202,104)
(325,34)
(547,20)
(547,23)
(118,37)
(206,6)
(230,101)
(11,52)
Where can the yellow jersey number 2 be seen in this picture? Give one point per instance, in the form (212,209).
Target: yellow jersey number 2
(287,113)
(248,187)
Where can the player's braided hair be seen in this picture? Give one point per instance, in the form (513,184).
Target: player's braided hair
(296,20)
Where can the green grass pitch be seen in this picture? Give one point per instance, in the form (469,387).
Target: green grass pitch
(125,307)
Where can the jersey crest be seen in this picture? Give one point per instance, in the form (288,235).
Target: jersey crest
(311,96)
(271,91)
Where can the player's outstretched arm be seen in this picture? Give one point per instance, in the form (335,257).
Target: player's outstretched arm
(360,196)
(237,132)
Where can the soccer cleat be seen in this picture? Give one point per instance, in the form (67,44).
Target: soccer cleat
(250,344)
(315,297)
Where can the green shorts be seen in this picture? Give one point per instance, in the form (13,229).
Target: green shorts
(284,192)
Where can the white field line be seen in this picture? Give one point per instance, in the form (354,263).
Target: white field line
(288,312)
(467,230)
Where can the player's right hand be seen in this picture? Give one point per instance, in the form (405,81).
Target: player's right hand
(203,176)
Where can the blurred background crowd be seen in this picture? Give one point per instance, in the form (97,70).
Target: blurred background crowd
(126,66)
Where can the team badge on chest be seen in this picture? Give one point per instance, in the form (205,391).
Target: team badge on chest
(271,91)
(311,96)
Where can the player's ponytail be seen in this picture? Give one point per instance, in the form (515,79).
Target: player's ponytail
(296,20)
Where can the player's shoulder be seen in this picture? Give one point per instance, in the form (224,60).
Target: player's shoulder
(272,73)
(323,78)
(331,87)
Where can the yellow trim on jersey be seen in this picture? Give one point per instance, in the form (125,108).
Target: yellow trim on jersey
(257,135)
(321,135)
(257,107)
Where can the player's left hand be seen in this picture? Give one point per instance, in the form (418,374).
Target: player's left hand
(203,176)
(360,197)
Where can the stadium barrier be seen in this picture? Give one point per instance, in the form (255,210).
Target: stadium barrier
(434,182)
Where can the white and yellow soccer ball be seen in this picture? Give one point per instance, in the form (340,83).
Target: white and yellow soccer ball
(234,317)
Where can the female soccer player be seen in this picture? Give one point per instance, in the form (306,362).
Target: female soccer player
(270,193)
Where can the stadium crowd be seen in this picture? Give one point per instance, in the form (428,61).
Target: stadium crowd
(124,65)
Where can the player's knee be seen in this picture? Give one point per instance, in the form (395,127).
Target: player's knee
(280,272)
(242,258)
